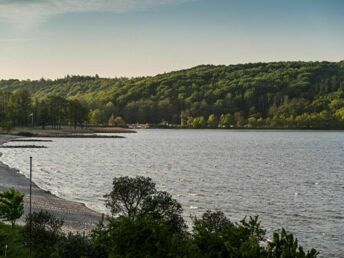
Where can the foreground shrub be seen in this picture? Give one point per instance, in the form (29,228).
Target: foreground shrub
(284,245)
(77,246)
(216,236)
(45,232)
(143,237)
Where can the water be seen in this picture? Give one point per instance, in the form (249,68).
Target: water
(291,179)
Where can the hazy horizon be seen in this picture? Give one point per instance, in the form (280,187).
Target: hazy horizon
(157,74)
(113,38)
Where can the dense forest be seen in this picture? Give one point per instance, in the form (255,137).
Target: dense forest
(261,95)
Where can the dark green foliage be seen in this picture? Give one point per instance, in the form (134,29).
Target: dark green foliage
(57,111)
(11,242)
(261,95)
(18,109)
(128,195)
(46,232)
(162,207)
(150,222)
(6,125)
(100,238)
(284,245)
(138,197)
(77,246)
(144,236)
(216,236)
(11,205)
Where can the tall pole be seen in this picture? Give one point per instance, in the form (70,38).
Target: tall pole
(30,209)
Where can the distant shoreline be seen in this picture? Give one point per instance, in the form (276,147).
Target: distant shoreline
(77,217)
(245,129)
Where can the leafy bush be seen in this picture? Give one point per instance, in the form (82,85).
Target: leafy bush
(44,233)
(11,205)
(77,246)
(284,245)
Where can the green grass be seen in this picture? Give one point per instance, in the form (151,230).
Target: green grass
(14,241)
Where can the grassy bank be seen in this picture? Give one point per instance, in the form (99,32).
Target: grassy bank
(11,242)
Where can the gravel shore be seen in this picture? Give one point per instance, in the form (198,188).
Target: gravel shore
(77,217)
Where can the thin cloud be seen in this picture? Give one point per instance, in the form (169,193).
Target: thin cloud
(31,12)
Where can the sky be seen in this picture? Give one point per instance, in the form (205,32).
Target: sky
(115,38)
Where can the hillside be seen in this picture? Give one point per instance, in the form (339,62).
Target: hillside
(280,94)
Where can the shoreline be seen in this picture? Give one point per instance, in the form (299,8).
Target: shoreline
(77,216)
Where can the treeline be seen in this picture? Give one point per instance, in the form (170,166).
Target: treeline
(261,95)
(19,109)
(144,222)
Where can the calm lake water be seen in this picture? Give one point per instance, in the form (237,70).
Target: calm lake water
(293,179)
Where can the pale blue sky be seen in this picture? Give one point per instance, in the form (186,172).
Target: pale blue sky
(52,38)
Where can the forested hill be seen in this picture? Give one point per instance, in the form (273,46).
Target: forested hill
(280,94)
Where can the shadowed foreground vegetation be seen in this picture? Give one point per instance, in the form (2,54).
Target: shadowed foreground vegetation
(145,222)
(264,95)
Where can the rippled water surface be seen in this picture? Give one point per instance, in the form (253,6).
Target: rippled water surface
(293,179)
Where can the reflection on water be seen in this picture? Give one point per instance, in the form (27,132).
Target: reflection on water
(293,179)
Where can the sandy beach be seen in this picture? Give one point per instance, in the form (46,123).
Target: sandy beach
(77,217)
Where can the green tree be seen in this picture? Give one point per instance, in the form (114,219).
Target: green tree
(11,205)
(76,246)
(57,109)
(284,245)
(240,120)
(128,195)
(21,107)
(184,118)
(137,197)
(145,222)
(216,236)
(144,237)
(213,121)
(95,116)
(225,121)
(339,115)
(252,122)
(199,122)
(118,121)
(77,114)
(162,207)
(337,104)
(42,113)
